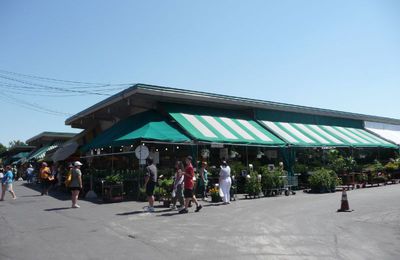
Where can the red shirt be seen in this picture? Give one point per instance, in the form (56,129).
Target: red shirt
(188,181)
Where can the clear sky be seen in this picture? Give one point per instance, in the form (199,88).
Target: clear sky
(341,55)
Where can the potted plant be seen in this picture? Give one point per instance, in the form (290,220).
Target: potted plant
(164,190)
(271,181)
(214,193)
(113,189)
(323,180)
(253,184)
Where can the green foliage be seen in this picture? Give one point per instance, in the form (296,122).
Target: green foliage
(300,168)
(375,167)
(166,184)
(361,178)
(391,166)
(340,164)
(378,177)
(323,180)
(236,168)
(253,184)
(13,143)
(159,193)
(114,178)
(271,179)
(2,148)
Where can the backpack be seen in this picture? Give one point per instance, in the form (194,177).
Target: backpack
(68,179)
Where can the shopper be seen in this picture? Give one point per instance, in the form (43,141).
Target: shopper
(45,178)
(150,181)
(225,182)
(188,187)
(76,183)
(177,191)
(6,183)
(29,173)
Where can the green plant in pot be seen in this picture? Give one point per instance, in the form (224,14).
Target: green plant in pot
(323,180)
(253,184)
(271,180)
(113,179)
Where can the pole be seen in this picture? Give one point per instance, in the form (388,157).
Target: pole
(91,194)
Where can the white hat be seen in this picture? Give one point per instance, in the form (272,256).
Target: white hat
(78,163)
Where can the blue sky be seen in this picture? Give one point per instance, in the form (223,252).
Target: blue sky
(342,55)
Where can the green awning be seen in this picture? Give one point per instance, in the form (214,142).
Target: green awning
(311,135)
(41,152)
(145,126)
(221,126)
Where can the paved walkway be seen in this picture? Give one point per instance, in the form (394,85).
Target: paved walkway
(304,226)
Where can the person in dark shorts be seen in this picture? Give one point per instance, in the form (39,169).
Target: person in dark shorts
(188,187)
(150,181)
(76,184)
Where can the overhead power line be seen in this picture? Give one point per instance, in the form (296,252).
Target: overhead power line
(24,85)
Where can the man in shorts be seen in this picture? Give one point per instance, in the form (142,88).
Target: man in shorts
(188,187)
(150,181)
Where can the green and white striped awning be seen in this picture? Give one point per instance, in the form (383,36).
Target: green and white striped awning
(305,135)
(224,127)
(41,152)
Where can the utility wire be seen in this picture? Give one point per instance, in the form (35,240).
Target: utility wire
(28,85)
(60,80)
(50,87)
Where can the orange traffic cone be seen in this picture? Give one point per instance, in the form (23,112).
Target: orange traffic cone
(344,206)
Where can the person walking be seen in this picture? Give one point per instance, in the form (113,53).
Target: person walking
(45,178)
(150,181)
(6,183)
(188,187)
(76,183)
(225,182)
(177,191)
(29,173)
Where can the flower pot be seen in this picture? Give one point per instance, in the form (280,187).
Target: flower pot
(215,199)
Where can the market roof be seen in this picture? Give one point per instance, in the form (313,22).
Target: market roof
(50,137)
(142,97)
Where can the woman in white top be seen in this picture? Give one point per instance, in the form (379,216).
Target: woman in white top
(225,182)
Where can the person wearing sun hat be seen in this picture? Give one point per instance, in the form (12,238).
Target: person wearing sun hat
(76,183)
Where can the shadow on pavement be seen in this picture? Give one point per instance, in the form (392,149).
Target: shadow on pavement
(169,214)
(131,213)
(54,192)
(55,209)
(31,196)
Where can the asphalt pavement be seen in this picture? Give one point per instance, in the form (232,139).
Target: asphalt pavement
(303,226)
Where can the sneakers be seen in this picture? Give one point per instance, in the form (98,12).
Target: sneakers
(149,209)
(183,211)
(76,206)
(174,208)
(198,208)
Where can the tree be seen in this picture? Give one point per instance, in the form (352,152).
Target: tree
(15,143)
(2,148)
